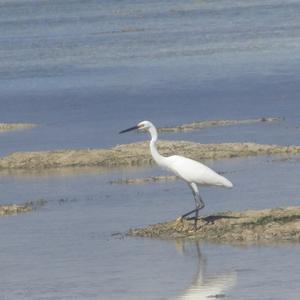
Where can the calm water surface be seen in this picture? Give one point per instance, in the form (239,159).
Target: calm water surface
(83,70)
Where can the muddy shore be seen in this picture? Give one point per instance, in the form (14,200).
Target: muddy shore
(137,154)
(268,225)
(15,126)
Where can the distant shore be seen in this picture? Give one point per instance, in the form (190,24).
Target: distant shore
(216,123)
(252,226)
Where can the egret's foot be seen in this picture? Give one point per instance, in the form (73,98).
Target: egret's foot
(186,218)
(196,227)
(179,219)
(200,223)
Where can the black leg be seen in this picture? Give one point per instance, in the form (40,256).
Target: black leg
(188,213)
(199,204)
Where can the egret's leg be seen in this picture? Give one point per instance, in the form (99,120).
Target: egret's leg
(199,205)
(198,202)
(188,213)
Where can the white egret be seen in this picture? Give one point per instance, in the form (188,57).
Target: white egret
(191,171)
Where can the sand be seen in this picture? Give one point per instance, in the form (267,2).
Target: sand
(252,226)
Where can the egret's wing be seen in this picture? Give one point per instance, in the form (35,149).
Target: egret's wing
(194,171)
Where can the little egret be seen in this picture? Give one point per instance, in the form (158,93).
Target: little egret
(192,172)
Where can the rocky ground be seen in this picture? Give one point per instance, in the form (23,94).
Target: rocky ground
(261,226)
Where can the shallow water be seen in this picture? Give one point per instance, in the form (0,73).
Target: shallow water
(72,248)
(84,76)
(85,70)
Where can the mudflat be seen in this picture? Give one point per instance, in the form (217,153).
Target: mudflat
(252,226)
(137,154)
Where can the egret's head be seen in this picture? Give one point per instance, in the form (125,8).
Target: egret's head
(144,125)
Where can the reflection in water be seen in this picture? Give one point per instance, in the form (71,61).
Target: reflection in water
(206,286)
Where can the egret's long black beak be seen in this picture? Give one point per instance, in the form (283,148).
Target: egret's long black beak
(129,129)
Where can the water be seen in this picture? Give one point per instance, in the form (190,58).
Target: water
(85,70)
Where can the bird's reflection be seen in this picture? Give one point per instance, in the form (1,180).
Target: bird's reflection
(204,285)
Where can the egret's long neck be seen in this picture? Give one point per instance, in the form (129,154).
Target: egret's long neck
(159,159)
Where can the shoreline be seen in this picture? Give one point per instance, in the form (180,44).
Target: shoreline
(137,154)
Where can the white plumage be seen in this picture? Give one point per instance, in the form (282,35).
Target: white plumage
(194,171)
(191,171)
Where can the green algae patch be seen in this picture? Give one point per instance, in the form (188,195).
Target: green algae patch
(252,226)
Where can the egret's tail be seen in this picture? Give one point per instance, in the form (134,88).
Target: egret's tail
(226,182)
